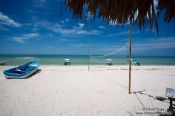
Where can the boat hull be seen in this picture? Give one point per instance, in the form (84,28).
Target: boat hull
(22,71)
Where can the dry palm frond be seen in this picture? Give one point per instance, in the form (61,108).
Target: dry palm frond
(118,11)
(167,6)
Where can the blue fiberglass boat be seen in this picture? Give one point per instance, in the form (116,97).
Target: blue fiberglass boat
(22,71)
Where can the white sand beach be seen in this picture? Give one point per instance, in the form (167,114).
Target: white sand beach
(75,91)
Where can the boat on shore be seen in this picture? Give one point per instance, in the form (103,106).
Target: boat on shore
(22,71)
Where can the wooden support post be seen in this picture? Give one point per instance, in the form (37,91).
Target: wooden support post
(130,55)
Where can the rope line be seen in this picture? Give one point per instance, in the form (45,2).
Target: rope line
(139,100)
(115,51)
(138,74)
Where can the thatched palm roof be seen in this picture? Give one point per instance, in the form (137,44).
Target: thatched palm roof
(168,6)
(120,11)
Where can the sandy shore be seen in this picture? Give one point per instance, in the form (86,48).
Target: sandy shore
(75,91)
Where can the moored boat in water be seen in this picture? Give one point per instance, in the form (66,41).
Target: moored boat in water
(67,61)
(109,61)
(135,62)
(2,62)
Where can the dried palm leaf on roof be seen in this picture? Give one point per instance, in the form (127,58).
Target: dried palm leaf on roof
(167,6)
(118,11)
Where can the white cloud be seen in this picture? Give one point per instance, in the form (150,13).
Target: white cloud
(23,38)
(123,33)
(101,27)
(79,45)
(154,47)
(73,31)
(119,33)
(84,32)
(59,29)
(40,3)
(65,21)
(159,43)
(81,25)
(5,20)
(63,39)
(62,29)
(62,21)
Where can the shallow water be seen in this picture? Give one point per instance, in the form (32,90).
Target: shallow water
(83,59)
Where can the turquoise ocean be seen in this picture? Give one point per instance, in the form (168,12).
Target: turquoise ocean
(18,59)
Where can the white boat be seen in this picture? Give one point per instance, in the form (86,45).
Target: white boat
(109,61)
(135,62)
(2,62)
(66,61)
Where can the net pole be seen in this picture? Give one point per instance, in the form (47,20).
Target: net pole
(130,54)
(88,53)
(88,48)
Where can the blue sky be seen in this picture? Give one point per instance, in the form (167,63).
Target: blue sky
(47,27)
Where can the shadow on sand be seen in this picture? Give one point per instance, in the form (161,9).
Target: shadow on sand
(159,98)
(38,71)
